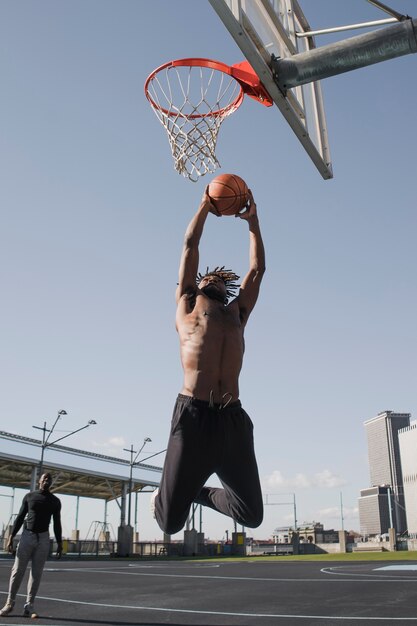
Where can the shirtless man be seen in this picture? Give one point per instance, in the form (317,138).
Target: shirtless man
(210,431)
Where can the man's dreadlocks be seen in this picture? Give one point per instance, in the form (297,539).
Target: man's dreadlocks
(227,276)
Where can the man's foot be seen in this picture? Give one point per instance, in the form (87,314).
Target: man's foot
(29,612)
(7,609)
(153,496)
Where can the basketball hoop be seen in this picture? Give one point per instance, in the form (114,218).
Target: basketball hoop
(191,98)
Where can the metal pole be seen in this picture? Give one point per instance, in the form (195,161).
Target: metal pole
(123,505)
(77,507)
(389,507)
(33,475)
(130,495)
(340,29)
(152,455)
(90,423)
(379,5)
(132,452)
(341,510)
(12,502)
(133,462)
(344,56)
(43,450)
(295,514)
(45,439)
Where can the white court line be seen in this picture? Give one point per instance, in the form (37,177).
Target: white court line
(194,566)
(112,568)
(227,613)
(331,570)
(239,578)
(221,613)
(398,568)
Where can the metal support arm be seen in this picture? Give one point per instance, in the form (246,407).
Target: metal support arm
(344,56)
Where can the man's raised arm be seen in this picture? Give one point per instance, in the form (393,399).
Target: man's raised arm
(249,289)
(190,255)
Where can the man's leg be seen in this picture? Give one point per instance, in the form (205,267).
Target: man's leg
(186,468)
(23,556)
(241,497)
(39,557)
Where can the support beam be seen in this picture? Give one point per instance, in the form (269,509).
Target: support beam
(345,56)
(123,504)
(33,477)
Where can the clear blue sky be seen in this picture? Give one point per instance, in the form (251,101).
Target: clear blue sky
(93,216)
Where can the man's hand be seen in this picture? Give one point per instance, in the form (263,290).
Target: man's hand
(59,551)
(207,203)
(249,209)
(10,544)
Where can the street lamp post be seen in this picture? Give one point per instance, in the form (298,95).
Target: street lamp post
(341,511)
(45,437)
(133,461)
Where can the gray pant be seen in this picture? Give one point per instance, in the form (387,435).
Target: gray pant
(32,547)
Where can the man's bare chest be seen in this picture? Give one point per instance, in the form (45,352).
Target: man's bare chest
(215,317)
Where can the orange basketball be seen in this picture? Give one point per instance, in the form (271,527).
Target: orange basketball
(229,193)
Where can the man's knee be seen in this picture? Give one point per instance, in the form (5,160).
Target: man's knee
(169,522)
(253,519)
(169,526)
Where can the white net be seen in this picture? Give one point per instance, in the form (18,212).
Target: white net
(191,102)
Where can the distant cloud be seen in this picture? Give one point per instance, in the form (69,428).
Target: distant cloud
(334,512)
(330,512)
(324,479)
(112,446)
(116,441)
(328,480)
(331,517)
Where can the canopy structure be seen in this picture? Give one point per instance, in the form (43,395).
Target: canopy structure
(75,472)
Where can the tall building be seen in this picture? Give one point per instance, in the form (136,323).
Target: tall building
(408,449)
(374,510)
(385,471)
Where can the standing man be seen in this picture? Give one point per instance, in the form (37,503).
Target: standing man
(37,507)
(210,431)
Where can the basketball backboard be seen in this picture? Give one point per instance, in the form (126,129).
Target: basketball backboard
(262,28)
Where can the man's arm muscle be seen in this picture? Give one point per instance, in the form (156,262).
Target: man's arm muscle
(190,254)
(250,286)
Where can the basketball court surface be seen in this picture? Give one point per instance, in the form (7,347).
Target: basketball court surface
(210,593)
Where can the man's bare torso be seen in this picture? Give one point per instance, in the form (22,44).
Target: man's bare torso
(211,347)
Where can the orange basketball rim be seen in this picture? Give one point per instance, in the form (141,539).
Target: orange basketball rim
(191,98)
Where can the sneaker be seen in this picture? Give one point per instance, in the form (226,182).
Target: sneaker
(29,612)
(8,608)
(153,496)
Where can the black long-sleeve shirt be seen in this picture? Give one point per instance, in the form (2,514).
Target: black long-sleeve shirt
(38,507)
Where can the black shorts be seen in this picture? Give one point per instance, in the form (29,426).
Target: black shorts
(207,440)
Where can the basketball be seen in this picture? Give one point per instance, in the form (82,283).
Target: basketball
(229,193)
